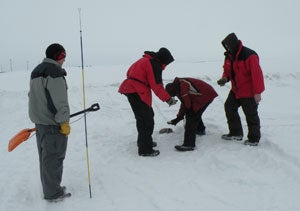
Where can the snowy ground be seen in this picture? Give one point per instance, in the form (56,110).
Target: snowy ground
(218,175)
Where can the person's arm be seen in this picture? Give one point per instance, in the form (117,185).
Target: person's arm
(226,70)
(154,75)
(57,89)
(257,78)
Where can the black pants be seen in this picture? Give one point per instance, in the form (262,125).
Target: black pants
(249,107)
(52,146)
(144,116)
(193,124)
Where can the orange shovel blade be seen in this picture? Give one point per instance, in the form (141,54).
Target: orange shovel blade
(22,136)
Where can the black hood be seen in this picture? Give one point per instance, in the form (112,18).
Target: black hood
(164,56)
(150,53)
(231,43)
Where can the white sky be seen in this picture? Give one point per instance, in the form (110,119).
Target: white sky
(117,32)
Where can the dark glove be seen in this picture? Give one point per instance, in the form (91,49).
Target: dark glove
(175,121)
(171,101)
(222,81)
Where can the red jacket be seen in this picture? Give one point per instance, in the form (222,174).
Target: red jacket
(246,78)
(193,94)
(142,77)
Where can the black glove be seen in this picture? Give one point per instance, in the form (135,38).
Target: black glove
(175,121)
(172,101)
(222,81)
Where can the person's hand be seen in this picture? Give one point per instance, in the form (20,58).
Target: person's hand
(172,101)
(222,81)
(175,121)
(65,128)
(257,98)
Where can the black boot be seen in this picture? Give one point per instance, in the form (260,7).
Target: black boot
(153,153)
(184,148)
(231,137)
(60,196)
(251,143)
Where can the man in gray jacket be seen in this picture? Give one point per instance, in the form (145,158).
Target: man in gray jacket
(49,111)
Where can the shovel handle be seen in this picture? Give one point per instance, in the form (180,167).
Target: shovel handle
(94,107)
(24,134)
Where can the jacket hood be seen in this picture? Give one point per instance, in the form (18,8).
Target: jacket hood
(51,61)
(231,43)
(164,56)
(150,54)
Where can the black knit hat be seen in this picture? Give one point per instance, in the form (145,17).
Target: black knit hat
(164,56)
(56,52)
(173,88)
(170,89)
(231,43)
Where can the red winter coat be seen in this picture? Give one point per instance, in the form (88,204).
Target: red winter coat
(142,77)
(246,78)
(194,94)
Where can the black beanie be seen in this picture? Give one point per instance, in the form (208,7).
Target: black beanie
(164,56)
(55,51)
(231,43)
(170,89)
(173,88)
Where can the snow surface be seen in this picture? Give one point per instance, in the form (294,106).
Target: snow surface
(218,176)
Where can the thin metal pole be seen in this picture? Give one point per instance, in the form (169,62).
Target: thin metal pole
(11,66)
(84,107)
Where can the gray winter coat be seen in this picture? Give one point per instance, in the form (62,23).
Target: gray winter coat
(48,98)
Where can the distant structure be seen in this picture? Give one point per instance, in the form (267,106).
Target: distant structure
(10,62)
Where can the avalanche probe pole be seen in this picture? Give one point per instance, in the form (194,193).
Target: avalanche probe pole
(83,93)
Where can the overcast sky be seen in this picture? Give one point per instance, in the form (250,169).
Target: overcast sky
(118,32)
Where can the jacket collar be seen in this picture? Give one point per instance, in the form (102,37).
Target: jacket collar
(47,60)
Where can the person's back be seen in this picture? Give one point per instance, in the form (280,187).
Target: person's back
(46,79)
(194,93)
(206,91)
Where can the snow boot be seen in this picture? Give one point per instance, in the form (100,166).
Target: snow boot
(153,153)
(59,198)
(230,137)
(63,194)
(251,143)
(165,130)
(184,148)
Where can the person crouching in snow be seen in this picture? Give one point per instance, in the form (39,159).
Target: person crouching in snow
(195,96)
(143,76)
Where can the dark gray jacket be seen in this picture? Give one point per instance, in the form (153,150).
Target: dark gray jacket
(48,98)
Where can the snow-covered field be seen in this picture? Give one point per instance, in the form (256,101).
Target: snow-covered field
(217,176)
